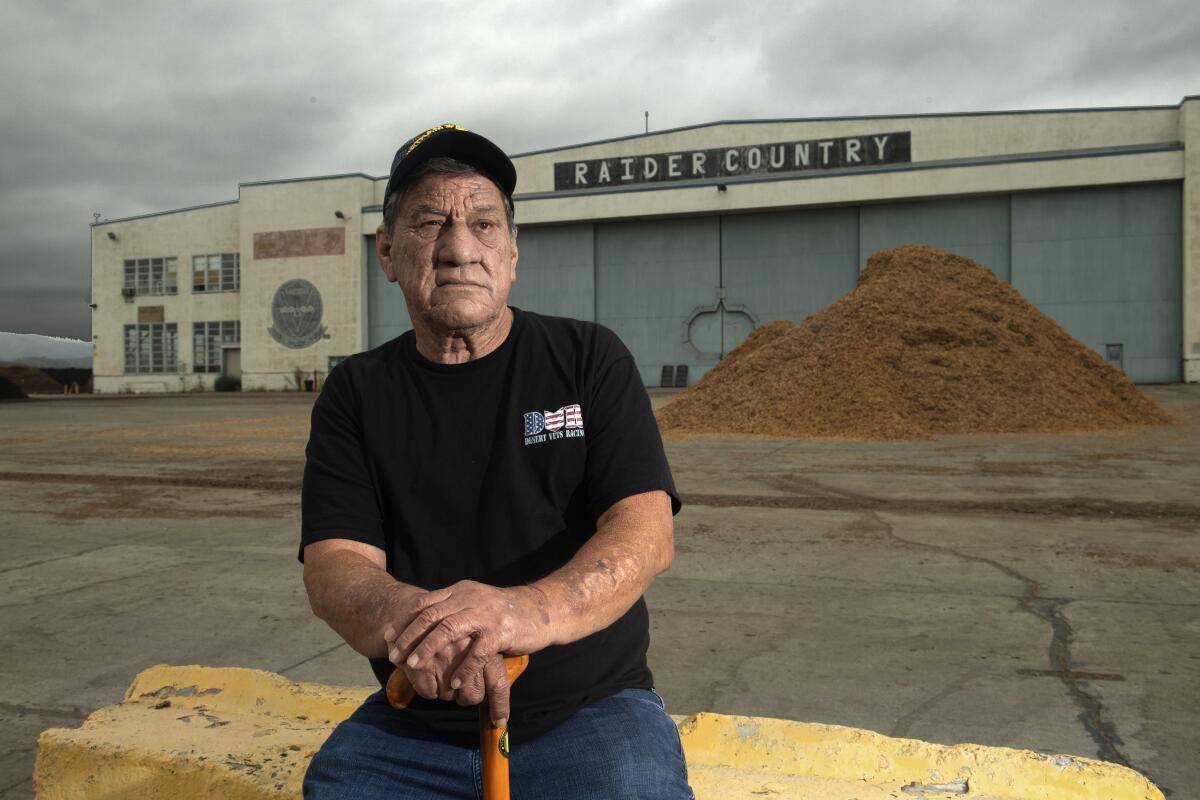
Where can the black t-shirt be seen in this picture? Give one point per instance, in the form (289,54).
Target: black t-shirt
(496,471)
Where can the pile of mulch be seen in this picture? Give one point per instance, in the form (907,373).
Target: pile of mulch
(67,376)
(927,343)
(30,380)
(9,390)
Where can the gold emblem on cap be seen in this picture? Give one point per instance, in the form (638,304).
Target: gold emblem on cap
(445,126)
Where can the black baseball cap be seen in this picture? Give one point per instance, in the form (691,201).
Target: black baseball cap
(452,141)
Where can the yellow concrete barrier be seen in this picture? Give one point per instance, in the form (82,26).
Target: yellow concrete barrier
(200,732)
(794,757)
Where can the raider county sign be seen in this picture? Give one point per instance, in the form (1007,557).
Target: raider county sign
(779,158)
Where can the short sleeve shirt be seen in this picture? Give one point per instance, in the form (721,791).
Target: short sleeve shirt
(495,470)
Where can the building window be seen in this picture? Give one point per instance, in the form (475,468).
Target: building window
(219,272)
(207,339)
(151,276)
(150,347)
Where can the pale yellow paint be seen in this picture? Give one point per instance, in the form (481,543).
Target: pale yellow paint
(198,732)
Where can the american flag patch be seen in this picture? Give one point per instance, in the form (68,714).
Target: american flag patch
(568,417)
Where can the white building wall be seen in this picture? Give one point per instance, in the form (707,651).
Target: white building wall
(305,205)
(181,235)
(1036,145)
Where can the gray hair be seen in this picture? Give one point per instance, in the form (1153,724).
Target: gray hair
(441,165)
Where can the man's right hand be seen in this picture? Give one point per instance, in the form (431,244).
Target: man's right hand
(435,678)
(457,641)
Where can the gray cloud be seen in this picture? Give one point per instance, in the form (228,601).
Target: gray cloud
(125,108)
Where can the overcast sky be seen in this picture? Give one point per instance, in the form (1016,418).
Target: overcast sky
(131,106)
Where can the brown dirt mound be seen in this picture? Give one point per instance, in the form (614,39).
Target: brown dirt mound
(9,390)
(66,376)
(927,343)
(30,380)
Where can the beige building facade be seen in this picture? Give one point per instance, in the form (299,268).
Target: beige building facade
(669,237)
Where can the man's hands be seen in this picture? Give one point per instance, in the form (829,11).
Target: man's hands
(458,636)
(454,646)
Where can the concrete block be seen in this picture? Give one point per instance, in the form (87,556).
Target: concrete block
(195,732)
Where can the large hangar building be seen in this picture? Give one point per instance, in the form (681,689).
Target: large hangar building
(683,240)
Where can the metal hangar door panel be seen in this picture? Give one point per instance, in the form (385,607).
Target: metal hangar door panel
(556,271)
(975,227)
(785,265)
(1107,265)
(387,316)
(651,275)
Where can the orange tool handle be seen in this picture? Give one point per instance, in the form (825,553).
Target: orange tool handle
(493,742)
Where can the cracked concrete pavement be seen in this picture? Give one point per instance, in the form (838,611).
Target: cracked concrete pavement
(1037,592)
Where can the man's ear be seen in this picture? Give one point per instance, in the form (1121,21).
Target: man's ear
(512,272)
(383,249)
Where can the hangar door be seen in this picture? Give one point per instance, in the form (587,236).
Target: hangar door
(687,291)
(556,274)
(1107,265)
(387,316)
(975,227)
(790,264)
(650,277)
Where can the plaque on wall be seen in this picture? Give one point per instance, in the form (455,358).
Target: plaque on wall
(299,243)
(150,314)
(296,312)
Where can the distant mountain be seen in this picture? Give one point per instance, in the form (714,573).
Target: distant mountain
(34,350)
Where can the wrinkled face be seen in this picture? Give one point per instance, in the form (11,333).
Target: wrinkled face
(451,252)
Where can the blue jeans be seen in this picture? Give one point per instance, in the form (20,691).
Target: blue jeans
(619,748)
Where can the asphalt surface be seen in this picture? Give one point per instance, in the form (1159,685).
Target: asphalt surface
(1039,592)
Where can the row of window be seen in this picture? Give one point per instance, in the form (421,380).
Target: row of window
(151,275)
(154,346)
(207,338)
(217,272)
(220,272)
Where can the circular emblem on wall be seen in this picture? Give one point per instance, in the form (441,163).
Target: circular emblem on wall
(296,312)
